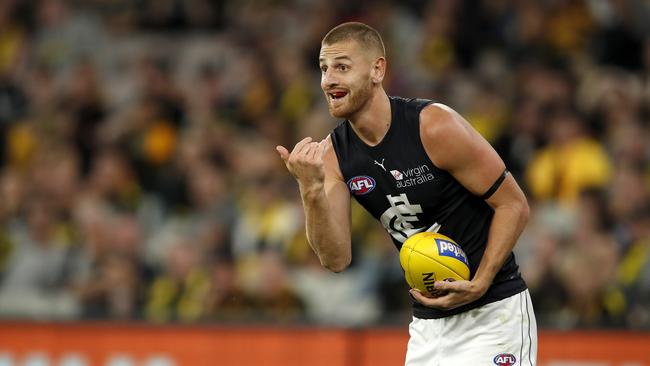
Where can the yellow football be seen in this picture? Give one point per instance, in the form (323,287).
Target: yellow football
(428,257)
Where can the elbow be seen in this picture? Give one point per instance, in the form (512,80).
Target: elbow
(336,266)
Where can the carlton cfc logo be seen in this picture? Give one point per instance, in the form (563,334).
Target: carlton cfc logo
(361,184)
(505,359)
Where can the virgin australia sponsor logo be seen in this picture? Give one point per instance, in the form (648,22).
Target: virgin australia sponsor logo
(397,174)
(413,176)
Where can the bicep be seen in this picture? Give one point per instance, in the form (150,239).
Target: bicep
(454,145)
(508,193)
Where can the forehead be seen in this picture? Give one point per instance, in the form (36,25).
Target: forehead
(338,50)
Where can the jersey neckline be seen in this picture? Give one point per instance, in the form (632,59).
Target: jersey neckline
(387,137)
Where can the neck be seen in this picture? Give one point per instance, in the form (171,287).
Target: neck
(372,122)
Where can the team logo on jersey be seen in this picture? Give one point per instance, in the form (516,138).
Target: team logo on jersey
(361,184)
(505,359)
(401,218)
(397,174)
(449,249)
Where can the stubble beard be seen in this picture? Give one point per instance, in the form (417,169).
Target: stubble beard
(356,102)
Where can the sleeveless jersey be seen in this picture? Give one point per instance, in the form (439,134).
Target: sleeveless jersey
(397,183)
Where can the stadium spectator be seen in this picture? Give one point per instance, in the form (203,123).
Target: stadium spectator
(138,178)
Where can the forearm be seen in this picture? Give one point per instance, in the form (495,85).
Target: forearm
(507,224)
(327,238)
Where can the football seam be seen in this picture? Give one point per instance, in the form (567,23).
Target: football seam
(408,262)
(408,265)
(433,259)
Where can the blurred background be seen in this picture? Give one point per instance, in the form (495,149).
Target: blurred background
(139,179)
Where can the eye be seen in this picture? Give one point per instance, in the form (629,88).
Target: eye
(323,68)
(344,67)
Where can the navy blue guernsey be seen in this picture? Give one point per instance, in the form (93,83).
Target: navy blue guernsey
(399,185)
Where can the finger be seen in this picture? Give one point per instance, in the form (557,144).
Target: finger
(323,147)
(434,302)
(284,153)
(300,146)
(447,285)
(417,295)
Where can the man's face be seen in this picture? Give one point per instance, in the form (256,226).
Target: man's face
(345,77)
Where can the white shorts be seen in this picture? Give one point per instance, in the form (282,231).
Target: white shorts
(502,333)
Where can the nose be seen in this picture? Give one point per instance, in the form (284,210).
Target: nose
(328,80)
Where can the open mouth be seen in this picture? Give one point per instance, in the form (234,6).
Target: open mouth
(337,95)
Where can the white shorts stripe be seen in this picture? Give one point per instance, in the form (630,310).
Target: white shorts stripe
(521,311)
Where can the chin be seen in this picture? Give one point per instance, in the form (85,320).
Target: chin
(343,111)
(339,113)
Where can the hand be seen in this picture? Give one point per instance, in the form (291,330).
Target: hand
(305,162)
(453,294)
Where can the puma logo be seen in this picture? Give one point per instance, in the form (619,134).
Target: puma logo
(381,164)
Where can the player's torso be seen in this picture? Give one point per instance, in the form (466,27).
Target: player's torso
(400,186)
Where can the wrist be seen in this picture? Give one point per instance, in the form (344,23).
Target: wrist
(311,190)
(481,284)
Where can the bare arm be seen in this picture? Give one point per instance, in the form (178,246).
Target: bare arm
(453,145)
(325,199)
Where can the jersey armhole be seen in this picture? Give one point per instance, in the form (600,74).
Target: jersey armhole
(335,147)
(420,104)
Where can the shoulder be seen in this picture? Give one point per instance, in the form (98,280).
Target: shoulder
(440,122)
(445,134)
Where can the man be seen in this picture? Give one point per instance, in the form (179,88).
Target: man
(423,167)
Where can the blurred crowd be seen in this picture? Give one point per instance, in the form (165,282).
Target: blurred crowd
(139,179)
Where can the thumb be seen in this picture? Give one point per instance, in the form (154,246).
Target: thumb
(445,285)
(284,153)
(323,147)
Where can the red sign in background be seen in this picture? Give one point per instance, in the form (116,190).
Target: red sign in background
(84,344)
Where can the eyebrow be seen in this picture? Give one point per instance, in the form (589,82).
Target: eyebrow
(336,58)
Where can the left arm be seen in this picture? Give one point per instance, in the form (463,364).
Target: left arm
(453,145)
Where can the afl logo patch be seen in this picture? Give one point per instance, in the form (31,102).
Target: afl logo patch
(505,359)
(361,184)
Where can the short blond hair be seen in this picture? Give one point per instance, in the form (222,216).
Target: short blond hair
(362,33)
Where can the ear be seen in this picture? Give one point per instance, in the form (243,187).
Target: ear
(378,70)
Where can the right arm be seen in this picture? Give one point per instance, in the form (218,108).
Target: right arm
(325,199)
